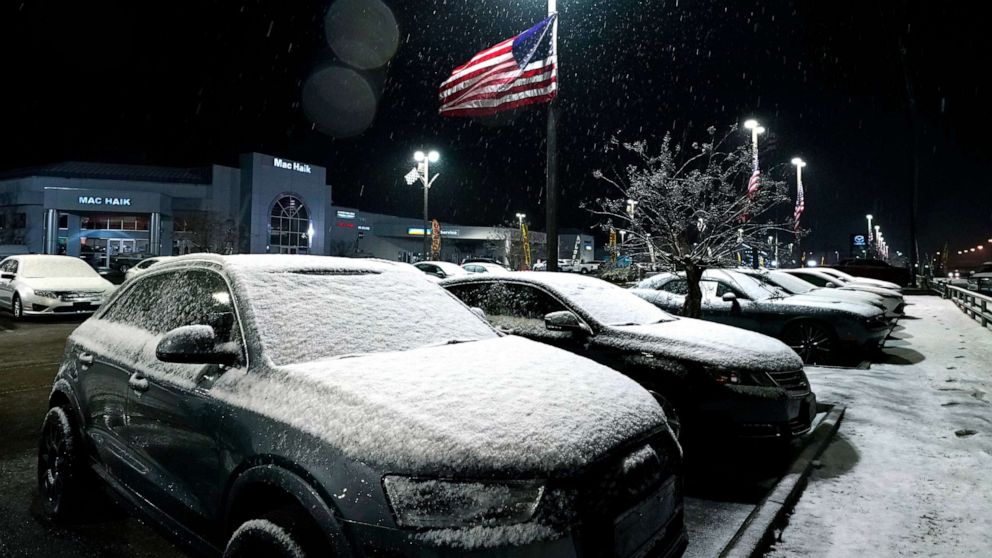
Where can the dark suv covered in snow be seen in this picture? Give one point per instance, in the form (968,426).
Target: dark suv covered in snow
(711,378)
(308,406)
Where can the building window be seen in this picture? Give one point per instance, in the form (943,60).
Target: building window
(63,220)
(114,222)
(289,226)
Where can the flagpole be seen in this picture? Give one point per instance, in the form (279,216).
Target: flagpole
(551,186)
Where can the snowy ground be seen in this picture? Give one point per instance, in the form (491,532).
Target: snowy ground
(910,472)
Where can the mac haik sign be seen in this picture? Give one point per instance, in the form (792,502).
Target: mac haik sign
(102,200)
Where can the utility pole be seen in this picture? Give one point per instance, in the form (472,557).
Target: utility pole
(551,185)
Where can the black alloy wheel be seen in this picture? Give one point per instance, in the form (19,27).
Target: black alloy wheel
(813,342)
(60,462)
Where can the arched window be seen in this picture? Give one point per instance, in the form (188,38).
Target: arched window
(289,226)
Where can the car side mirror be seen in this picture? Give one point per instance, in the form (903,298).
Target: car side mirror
(830,285)
(195,344)
(729,297)
(563,321)
(7,275)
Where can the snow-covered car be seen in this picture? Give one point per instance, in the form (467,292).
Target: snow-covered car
(311,406)
(980,280)
(817,278)
(143,265)
(42,284)
(818,329)
(711,378)
(440,270)
(847,278)
(794,285)
(543,265)
(485,267)
(584,268)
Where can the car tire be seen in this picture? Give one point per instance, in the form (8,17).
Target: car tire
(814,342)
(17,307)
(63,482)
(282,533)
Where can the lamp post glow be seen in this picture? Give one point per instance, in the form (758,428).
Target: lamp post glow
(520,218)
(869,217)
(756,129)
(422,172)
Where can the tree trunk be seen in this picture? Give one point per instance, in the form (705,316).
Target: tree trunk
(692,308)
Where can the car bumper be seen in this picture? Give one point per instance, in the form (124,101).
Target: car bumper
(749,412)
(668,541)
(37,306)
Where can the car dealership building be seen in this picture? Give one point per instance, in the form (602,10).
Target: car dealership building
(269,205)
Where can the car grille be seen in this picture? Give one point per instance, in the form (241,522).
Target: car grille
(794,382)
(799,426)
(69,296)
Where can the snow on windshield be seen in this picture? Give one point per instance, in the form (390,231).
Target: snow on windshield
(606,303)
(55,266)
(753,288)
(314,315)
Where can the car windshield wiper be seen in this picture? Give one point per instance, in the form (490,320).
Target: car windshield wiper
(449,342)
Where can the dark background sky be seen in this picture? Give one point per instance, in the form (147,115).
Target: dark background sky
(187,83)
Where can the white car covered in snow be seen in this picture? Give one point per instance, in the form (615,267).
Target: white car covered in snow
(818,278)
(794,285)
(847,278)
(42,284)
(309,406)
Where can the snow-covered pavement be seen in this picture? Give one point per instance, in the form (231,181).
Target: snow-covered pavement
(910,471)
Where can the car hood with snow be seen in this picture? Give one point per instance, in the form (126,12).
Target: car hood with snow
(812,303)
(68,284)
(498,405)
(707,343)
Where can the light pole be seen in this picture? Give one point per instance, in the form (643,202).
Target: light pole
(869,217)
(756,129)
(520,219)
(423,173)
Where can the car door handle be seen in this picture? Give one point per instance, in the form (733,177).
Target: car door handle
(86,359)
(138,382)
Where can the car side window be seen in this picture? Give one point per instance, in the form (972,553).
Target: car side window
(676,286)
(723,288)
(162,302)
(475,295)
(815,279)
(9,266)
(521,308)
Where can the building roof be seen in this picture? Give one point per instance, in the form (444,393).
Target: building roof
(111,171)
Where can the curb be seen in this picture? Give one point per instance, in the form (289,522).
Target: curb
(758,530)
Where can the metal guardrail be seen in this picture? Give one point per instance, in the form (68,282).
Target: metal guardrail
(978,306)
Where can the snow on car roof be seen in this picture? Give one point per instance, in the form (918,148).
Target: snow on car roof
(292,262)
(41,265)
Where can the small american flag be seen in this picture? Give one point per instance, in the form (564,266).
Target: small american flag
(800,206)
(752,185)
(519,71)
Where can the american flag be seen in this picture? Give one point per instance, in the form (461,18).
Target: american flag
(752,185)
(519,71)
(800,205)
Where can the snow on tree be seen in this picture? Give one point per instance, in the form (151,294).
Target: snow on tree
(688,208)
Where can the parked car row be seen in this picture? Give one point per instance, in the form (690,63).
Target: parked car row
(236,400)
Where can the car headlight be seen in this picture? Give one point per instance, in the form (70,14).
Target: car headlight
(447,503)
(46,294)
(739,378)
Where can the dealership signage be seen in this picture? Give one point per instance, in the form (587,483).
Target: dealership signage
(346,214)
(417,231)
(858,241)
(291,165)
(101,200)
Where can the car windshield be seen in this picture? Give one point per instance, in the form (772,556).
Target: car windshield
(754,288)
(789,282)
(608,304)
(55,266)
(308,316)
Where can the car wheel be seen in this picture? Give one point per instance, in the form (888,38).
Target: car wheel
(584,271)
(283,533)
(62,480)
(813,342)
(16,307)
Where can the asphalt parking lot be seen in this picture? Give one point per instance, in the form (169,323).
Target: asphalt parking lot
(723,485)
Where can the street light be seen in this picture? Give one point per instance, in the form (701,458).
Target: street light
(422,172)
(869,217)
(756,129)
(520,218)
(631,207)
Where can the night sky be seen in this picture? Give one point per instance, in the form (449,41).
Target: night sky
(189,83)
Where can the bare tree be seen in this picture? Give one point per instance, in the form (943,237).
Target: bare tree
(692,208)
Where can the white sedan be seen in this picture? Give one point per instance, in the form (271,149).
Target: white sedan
(485,267)
(41,284)
(847,278)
